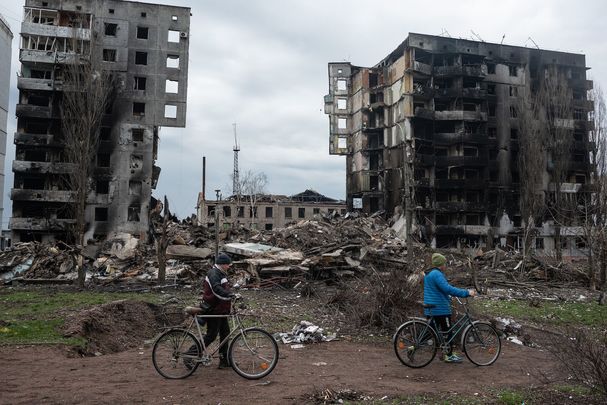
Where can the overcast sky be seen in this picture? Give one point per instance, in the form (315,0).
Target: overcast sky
(263,65)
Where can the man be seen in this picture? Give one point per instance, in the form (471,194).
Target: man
(216,292)
(438,292)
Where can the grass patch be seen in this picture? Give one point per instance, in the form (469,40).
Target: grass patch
(557,313)
(31,317)
(509,397)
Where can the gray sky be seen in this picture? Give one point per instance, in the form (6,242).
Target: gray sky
(263,64)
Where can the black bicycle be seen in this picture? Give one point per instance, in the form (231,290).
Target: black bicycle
(417,341)
(177,353)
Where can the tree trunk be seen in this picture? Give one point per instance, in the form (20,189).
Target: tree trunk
(591,272)
(161,260)
(81,270)
(557,243)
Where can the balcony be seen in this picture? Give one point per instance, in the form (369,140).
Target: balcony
(420,67)
(22,166)
(33,111)
(474,93)
(40,224)
(55,31)
(450,138)
(446,161)
(470,70)
(35,139)
(424,160)
(48,57)
(27,83)
(460,115)
(449,229)
(458,184)
(424,113)
(18,194)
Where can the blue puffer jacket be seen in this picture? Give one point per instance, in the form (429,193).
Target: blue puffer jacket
(437,291)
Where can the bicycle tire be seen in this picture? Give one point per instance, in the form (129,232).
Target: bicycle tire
(481,343)
(253,353)
(175,354)
(415,343)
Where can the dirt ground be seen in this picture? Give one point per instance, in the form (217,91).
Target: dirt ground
(43,374)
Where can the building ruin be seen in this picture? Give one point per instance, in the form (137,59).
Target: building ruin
(432,130)
(144,45)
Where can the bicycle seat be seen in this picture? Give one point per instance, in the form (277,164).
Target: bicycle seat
(429,306)
(193,311)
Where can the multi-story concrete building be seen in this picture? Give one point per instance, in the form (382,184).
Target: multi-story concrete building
(6,38)
(268,212)
(435,123)
(144,45)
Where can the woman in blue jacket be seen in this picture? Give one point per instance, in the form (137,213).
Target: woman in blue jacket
(438,292)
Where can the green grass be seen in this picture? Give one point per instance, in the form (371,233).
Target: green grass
(29,317)
(510,397)
(557,313)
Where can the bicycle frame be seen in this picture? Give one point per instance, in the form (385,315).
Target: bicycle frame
(461,324)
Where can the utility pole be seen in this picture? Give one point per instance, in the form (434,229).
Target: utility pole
(217,224)
(235,180)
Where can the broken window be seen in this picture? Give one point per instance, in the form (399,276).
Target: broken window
(373,79)
(492,132)
(140,83)
(102,187)
(40,74)
(373,182)
(101,214)
(137,134)
(111,11)
(513,70)
(472,219)
(269,212)
(539,243)
(227,211)
(133,213)
(142,32)
(141,58)
(253,212)
(492,154)
(173,18)
(103,160)
(470,151)
(109,55)
(301,212)
(171,86)
(513,91)
(491,68)
(491,109)
(342,85)
(469,107)
(139,109)
(342,143)
(240,212)
(144,14)
(110,29)
(513,113)
(105,133)
(316,211)
(441,151)
(170,111)
(136,162)
(342,104)
(288,212)
(268,227)
(342,123)
(172,61)
(491,89)
(173,36)
(578,114)
(135,187)
(514,133)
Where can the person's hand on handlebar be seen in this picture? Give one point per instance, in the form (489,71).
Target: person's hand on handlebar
(472,293)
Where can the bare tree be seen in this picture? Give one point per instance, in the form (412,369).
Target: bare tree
(555,123)
(163,242)
(532,163)
(87,92)
(252,185)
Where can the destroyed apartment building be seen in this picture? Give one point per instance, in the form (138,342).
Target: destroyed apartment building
(143,45)
(6,38)
(267,211)
(435,124)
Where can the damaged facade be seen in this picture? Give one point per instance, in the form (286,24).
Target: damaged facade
(146,47)
(268,212)
(6,38)
(433,124)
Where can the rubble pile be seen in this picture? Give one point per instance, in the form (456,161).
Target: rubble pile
(305,332)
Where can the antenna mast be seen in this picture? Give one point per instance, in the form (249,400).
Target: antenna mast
(235,180)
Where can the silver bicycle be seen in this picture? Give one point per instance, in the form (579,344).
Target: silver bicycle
(177,353)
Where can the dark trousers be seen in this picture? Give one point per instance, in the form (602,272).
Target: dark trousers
(442,323)
(222,326)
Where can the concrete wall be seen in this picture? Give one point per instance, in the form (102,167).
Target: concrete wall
(6,37)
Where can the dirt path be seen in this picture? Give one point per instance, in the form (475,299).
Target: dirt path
(40,374)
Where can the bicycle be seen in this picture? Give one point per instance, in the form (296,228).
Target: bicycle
(177,353)
(417,341)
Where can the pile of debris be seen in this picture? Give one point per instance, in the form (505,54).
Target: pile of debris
(305,332)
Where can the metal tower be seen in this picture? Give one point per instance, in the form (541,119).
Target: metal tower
(236,149)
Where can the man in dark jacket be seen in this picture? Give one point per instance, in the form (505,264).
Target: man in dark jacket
(438,292)
(216,292)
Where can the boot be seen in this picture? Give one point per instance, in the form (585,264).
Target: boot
(223,362)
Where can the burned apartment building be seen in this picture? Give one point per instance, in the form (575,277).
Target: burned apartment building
(145,46)
(268,211)
(6,39)
(434,123)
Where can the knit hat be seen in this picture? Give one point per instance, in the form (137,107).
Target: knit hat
(438,260)
(222,258)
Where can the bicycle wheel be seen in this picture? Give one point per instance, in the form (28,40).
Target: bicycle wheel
(175,354)
(481,343)
(415,344)
(253,353)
